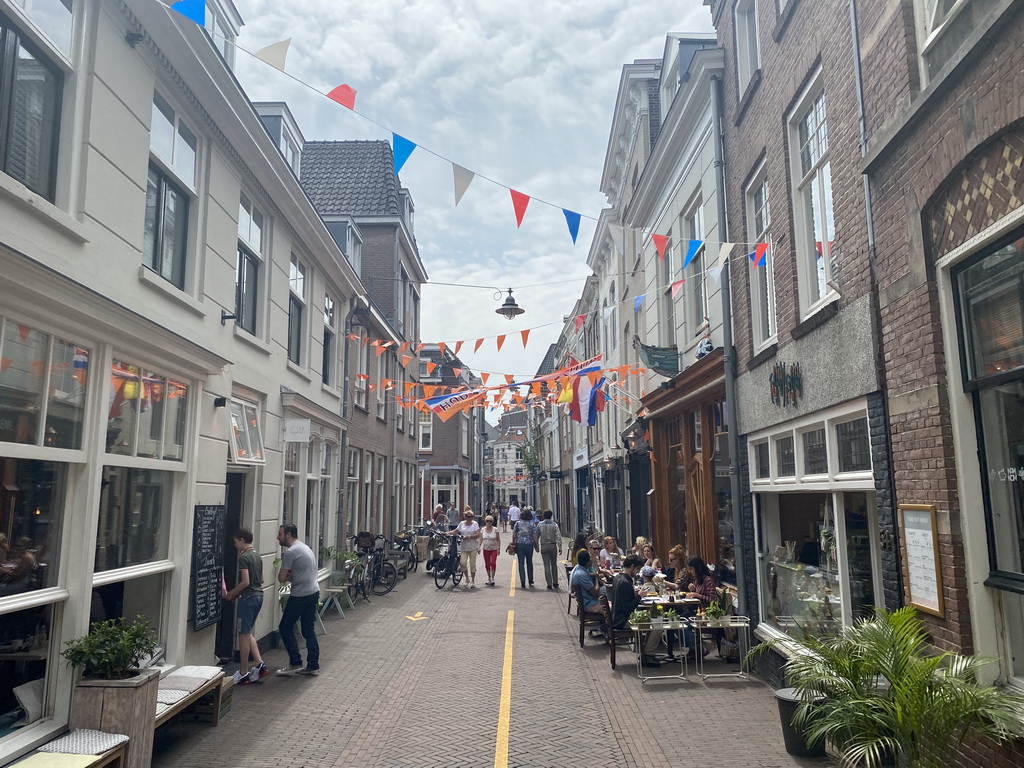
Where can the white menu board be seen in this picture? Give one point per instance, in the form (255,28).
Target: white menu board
(921,557)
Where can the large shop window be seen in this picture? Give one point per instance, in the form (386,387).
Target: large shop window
(43,387)
(26,645)
(148,415)
(31,524)
(30,96)
(990,291)
(817,528)
(135,517)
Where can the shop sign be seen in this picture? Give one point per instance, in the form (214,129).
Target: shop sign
(297,430)
(786,384)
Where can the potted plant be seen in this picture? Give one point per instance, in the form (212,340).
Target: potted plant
(878,690)
(113,694)
(641,619)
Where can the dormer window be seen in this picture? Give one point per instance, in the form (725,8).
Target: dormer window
(222,24)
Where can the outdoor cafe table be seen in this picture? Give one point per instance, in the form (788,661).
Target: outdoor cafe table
(742,626)
(684,606)
(656,624)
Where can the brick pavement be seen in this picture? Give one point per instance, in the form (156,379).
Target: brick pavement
(395,692)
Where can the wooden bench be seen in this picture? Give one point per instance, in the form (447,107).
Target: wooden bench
(115,757)
(212,688)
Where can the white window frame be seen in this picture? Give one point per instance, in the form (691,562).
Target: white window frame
(246,410)
(382,373)
(464,434)
(667,314)
(252,232)
(932,20)
(695,290)
(426,422)
(762,279)
(748,55)
(329,359)
(299,280)
(816,283)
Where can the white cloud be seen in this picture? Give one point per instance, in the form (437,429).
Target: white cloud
(521,92)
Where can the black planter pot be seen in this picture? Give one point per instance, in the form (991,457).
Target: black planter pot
(796,744)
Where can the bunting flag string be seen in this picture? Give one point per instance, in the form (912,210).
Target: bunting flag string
(463,178)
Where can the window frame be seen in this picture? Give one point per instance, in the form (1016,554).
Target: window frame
(695,307)
(748,50)
(250,414)
(329,359)
(361,380)
(179,278)
(425,443)
(761,315)
(299,278)
(802,189)
(667,313)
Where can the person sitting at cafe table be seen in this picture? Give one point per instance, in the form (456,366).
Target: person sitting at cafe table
(676,563)
(611,555)
(580,542)
(625,600)
(649,557)
(601,575)
(638,546)
(649,588)
(696,581)
(582,578)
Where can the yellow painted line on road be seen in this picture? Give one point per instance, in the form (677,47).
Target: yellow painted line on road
(505,707)
(418,616)
(512,588)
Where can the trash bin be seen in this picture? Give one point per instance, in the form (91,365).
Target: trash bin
(789,699)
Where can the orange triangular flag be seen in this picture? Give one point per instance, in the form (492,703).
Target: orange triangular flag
(519,203)
(5,363)
(373,387)
(386,383)
(509,378)
(366,340)
(406,360)
(457,371)
(500,340)
(362,376)
(429,389)
(484,377)
(408,386)
(536,387)
(405,346)
(476,346)
(525,333)
(431,367)
(594,376)
(381,349)
(458,346)
(420,346)
(441,347)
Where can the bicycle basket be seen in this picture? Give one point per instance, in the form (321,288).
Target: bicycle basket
(364,540)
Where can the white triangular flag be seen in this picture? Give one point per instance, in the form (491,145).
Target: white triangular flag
(274,54)
(463,178)
(723,253)
(714,274)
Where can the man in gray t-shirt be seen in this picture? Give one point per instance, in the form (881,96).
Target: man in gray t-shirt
(298,566)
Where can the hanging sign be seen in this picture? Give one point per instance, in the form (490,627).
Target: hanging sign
(297,430)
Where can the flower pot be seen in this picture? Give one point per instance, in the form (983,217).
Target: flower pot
(120,706)
(789,700)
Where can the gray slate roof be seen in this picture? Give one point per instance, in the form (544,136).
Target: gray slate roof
(356,178)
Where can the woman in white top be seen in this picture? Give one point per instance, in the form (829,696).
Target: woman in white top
(491,538)
(611,555)
(469,530)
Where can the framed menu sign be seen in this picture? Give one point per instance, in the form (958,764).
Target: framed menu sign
(921,557)
(207,564)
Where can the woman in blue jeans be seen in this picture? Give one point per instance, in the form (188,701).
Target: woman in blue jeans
(527,540)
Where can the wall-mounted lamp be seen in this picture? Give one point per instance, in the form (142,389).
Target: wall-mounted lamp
(134,38)
(220,402)
(225,316)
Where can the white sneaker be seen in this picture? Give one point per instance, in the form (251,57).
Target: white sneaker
(254,675)
(472,585)
(237,678)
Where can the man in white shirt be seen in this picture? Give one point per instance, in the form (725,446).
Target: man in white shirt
(298,565)
(513,514)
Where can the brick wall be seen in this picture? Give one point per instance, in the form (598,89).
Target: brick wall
(380,266)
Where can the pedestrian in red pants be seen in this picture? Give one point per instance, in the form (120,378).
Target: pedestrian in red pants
(492,546)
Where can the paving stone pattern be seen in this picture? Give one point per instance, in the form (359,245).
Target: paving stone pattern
(417,694)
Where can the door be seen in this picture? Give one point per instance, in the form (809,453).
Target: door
(234,498)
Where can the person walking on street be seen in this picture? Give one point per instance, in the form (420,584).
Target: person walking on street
(503,515)
(298,565)
(550,538)
(453,514)
(249,594)
(527,542)
(441,520)
(514,513)
(469,543)
(491,539)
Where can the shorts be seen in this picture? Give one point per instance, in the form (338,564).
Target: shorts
(248,609)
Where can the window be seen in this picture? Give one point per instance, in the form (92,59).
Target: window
(34,500)
(148,414)
(464,433)
(246,434)
(668,302)
(815,225)
(30,96)
(54,18)
(399,392)
(696,293)
(426,429)
(762,281)
(747,57)
(222,33)
(854,448)
(296,308)
(173,142)
(40,403)
(135,517)
(933,15)
(352,489)
(382,372)
(250,261)
(761,468)
(786,461)
(362,367)
(327,369)
(815,452)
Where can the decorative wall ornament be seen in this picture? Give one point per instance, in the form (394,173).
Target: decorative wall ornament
(786,384)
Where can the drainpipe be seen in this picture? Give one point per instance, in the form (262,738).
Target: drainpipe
(873,269)
(343,447)
(729,358)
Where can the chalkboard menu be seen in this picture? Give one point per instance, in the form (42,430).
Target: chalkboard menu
(207,564)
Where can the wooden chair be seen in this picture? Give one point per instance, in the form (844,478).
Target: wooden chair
(586,618)
(612,635)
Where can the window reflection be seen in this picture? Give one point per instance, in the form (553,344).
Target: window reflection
(31,510)
(25,638)
(134,517)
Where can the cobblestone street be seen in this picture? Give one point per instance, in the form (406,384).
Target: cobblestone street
(399,692)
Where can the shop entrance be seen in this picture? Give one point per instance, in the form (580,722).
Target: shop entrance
(234,498)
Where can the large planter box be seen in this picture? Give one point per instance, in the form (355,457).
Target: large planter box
(120,706)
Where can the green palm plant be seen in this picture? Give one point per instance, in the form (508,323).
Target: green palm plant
(877,690)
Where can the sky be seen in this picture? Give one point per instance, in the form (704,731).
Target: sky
(519,92)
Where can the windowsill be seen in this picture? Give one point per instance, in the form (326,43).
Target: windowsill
(783,20)
(748,95)
(819,317)
(299,372)
(27,200)
(243,335)
(359,407)
(152,280)
(330,391)
(763,356)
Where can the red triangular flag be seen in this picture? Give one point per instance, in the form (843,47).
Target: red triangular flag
(344,95)
(580,320)
(676,287)
(660,242)
(458,346)
(759,253)
(526,335)
(519,203)
(499,341)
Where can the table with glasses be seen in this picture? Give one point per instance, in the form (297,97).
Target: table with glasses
(703,625)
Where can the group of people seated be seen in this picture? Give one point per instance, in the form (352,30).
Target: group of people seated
(603,568)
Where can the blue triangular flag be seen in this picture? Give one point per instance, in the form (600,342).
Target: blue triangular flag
(573,220)
(402,149)
(692,248)
(638,301)
(192,9)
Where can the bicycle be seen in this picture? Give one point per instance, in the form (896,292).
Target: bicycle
(447,565)
(374,573)
(406,542)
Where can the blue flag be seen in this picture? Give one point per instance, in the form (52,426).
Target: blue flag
(402,149)
(638,301)
(573,220)
(192,9)
(692,248)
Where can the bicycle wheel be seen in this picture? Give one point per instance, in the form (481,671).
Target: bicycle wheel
(383,578)
(441,574)
(414,558)
(456,574)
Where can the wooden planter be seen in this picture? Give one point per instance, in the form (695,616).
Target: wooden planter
(120,706)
